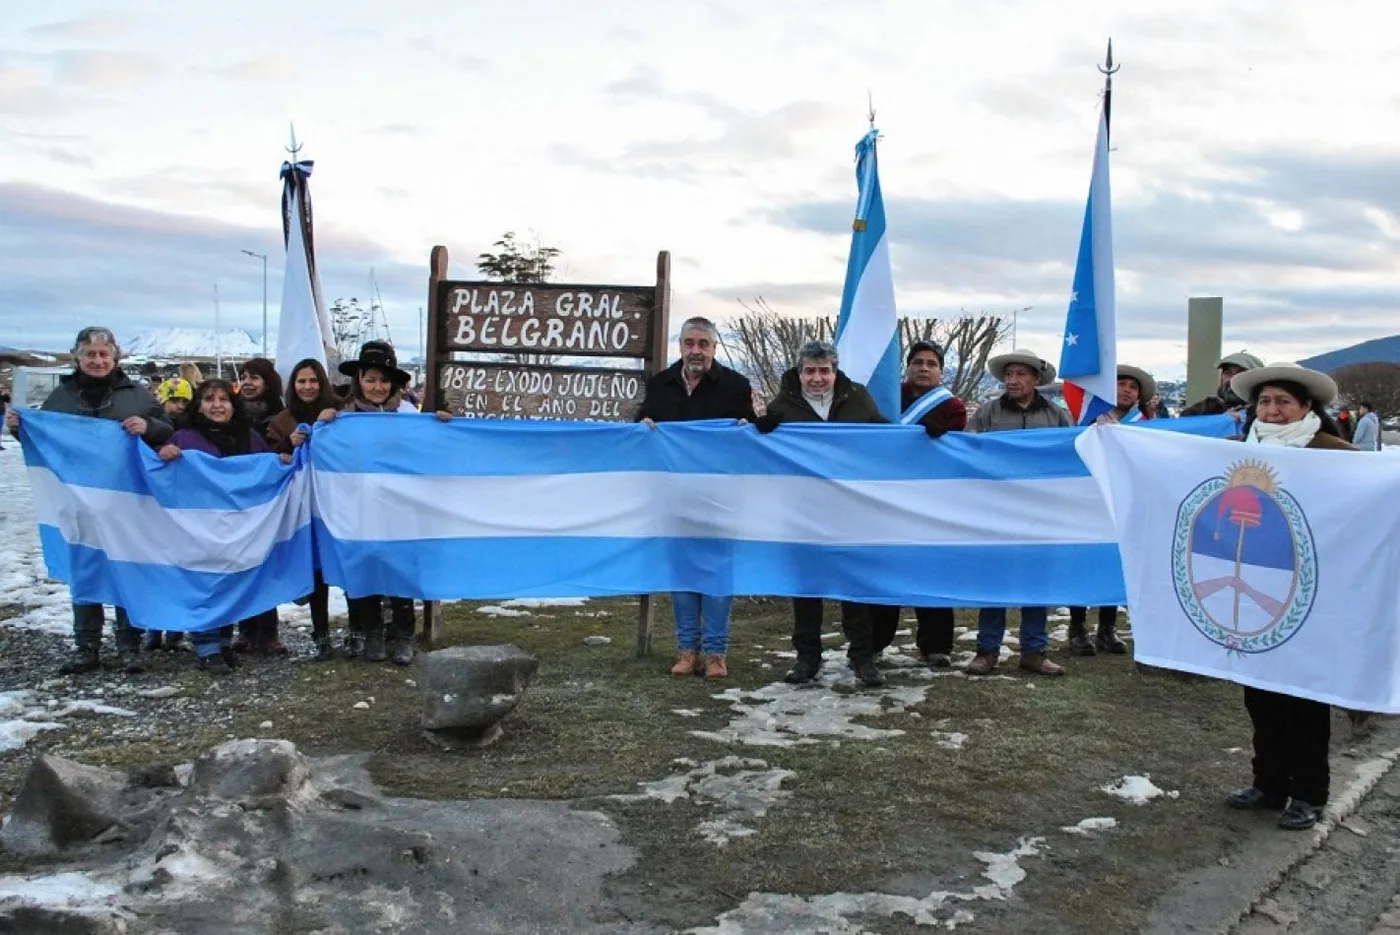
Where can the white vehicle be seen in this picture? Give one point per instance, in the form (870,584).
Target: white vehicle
(30,386)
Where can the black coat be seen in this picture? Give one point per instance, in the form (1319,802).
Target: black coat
(851,402)
(721,394)
(122,400)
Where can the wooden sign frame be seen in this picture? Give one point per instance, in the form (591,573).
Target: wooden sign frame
(602,336)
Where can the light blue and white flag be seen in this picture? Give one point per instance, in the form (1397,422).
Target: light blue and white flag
(867,338)
(1268,566)
(304,326)
(1089,358)
(190,544)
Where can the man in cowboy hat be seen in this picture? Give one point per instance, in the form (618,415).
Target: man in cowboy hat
(1225,399)
(1021,407)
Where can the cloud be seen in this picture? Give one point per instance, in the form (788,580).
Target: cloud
(101,70)
(87,28)
(68,259)
(269,66)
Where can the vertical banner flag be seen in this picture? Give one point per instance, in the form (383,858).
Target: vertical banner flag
(867,332)
(304,327)
(1259,564)
(1089,358)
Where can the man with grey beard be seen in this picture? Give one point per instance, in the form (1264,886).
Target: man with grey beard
(693,388)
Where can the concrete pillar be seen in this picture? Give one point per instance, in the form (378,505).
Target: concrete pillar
(1204,321)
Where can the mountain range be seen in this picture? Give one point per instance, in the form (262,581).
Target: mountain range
(1377,350)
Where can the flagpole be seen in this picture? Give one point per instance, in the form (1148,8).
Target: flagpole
(1108,70)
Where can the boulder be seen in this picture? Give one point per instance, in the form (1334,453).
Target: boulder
(62,804)
(467,690)
(250,769)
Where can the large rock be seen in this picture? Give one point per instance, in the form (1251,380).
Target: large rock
(467,690)
(62,804)
(250,769)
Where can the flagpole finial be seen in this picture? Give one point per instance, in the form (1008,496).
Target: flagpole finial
(870,108)
(1108,69)
(295,147)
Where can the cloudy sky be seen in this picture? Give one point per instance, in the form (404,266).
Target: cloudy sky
(1255,155)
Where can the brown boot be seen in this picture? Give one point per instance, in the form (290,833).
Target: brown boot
(687,663)
(1037,663)
(983,664)
(715,667)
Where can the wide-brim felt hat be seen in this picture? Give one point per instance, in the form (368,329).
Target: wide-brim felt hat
(1147,387)
(377,355)
(1322,387)
(997,365)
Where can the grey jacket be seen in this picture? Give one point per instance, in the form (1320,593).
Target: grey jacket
(1002,415)
(1368,432)
(124,400)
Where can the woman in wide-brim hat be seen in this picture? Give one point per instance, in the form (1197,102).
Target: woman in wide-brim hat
(380,356)
(1147,387)
(997,365)
(1291,735)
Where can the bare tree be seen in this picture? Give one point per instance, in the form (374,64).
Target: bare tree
(765,343)
(1376,383)
(518,261)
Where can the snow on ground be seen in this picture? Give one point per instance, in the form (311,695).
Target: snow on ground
(496,610)
(1136,790)
(545,602)
(1090,825)
(70,888)
(744,790)
(841,913)
(22,716)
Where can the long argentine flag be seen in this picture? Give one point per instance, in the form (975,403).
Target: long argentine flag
(190,544)
(1089,358)
(867,331)
(411,507)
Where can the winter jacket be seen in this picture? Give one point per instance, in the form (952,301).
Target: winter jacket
(1002,415)
(722,393)
(122,400)
(850,402)
(194,440)
(279,432)
(949,415)
(1368,433)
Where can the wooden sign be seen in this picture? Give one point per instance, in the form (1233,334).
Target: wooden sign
(489,390)
(490,320)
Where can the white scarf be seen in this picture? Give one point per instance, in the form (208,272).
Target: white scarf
(1293,435)
(821,405)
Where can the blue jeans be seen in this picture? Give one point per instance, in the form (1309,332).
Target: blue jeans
(991,627)
(211,642)
(690,607)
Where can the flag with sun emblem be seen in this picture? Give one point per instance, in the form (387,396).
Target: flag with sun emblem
(1264,565)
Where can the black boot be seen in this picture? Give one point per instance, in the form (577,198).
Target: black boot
(404,627)
(1107,641)
(374,645)
(804,670)
(1079,644)
(152,641)
(324,652)
(866,673)
(84,658)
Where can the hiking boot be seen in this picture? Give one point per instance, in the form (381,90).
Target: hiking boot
(152,641)
(275,648)
(1251,798)
(403,651)
(240,644)
(1079,644)
(130,661)
(715,667)
(803,670)
(374,647)
(1299,816)
(215,664)
(1037,663)
(866,673)
(688,662)
(1107,641)
(324,652)
(937,660)
(82,659)
(174,642)
(354,646)
(984,664)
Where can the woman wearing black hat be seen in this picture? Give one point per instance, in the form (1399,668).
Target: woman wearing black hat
(378,386)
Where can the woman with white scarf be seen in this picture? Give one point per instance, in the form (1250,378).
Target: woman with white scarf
(1291,734)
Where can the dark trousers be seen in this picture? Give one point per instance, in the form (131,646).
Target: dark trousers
(366,616)
(1290,745)
(934,635)
(88,621)
(1108,616)
(260,629)
(807,628)
(319,602)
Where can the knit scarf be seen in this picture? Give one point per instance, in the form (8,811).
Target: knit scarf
(357,403)
(1293,435)
(229,438)
(94,390)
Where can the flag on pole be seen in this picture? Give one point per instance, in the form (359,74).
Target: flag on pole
(1089,358)
(303,328)
(867,331)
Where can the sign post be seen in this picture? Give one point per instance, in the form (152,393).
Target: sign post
(494,351)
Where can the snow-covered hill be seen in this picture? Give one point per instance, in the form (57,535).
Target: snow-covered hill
(173,343)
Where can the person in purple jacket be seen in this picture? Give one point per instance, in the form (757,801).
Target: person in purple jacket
(216,425)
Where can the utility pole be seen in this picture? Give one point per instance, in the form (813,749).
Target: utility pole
(263,257)
(218,339)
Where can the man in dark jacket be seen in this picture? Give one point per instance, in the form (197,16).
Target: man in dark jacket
(99,388)
(817,391)
(696,387)
(1225,399)
(924,401)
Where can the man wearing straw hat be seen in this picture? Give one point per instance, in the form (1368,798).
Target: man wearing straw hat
(1021,407)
